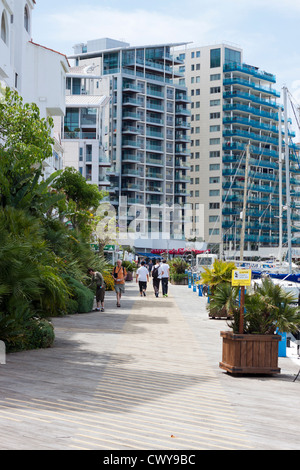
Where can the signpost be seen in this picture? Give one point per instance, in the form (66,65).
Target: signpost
(241,278)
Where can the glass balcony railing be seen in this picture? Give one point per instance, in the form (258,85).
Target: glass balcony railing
(250,110)
(250,123)
(249,70)
(252,85)
(250,136)
(248,97)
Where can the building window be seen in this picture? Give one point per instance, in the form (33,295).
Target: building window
(216,76)
(215,115)
(215,58)
(214,231)
(214,205)
(232,56)
(214,154)
(214,192)
(26,18)
(214,166)
(215,89)
(214,180)
(4,27)
(214,128)
(215,102)
(214,141)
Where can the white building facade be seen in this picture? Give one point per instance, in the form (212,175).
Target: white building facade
(36,72)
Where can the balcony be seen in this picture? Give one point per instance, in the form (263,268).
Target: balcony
(252,85)
(249,70)
(250,123)
(250,110)
(248,97)
(78,135)
(250,136)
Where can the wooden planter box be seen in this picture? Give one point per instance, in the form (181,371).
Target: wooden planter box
(250,354)
(218,314)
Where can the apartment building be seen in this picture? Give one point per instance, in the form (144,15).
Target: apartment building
(84,126)
(36,72)
(234,105)
(146,139)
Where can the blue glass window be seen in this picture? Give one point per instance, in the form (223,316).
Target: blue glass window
(215,58)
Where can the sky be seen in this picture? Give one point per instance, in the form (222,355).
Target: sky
(267,30)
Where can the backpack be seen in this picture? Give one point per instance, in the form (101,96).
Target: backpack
(155,273)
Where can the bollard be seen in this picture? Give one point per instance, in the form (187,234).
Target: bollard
(2,353)
(282,344)
(200,292)
(190,280)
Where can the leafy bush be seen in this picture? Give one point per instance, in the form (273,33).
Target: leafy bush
(178,266)
(35,333)
(109,281)
(129,266)
(82,295)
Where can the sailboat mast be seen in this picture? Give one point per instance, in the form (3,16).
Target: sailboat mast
(280,184)
(244,206)
(287,184)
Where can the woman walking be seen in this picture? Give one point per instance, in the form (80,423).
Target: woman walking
(119,274)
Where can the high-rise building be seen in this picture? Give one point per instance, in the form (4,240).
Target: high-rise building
(146,137)
(235,105)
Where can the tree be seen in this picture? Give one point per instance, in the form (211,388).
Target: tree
(25,143)
(82,199)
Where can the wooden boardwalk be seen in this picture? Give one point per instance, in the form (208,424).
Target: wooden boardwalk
(143,377)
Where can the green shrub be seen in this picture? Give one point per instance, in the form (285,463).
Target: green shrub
(82,295)
(178,277)
(36,334)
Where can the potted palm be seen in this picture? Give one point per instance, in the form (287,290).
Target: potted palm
(267,309)
(219,274)
(178,267)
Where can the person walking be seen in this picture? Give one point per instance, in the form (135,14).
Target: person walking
(100,288)
(156,277)
(119,274)
(165,268)
(142,277)
(150,266)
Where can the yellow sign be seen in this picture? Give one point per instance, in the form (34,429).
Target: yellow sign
(241,277)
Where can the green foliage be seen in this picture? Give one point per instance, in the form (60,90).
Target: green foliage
(36,334)
(271,307)
(25,142)
(219,273)
(83,296)
(109,280)
(226,299)
(267,308)
(43,261)
(177,266)
(129,266)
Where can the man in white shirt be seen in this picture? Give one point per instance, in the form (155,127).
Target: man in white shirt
(156,276)
(142,276)
(165,268)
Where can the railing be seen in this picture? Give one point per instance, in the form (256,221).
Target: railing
(231,67)
(246,96)
(253,85)
(250,110)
